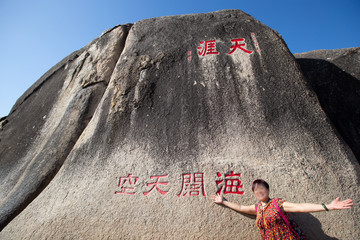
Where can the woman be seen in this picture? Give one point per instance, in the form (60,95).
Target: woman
(272,223)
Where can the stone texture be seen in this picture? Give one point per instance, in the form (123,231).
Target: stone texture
(168,111)
(47,120)
(335,77)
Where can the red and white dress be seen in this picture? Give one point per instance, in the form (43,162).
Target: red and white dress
(270,223)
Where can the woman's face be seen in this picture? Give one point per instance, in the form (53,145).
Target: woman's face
(261,193)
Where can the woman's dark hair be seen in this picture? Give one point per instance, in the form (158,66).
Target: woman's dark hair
(259,182)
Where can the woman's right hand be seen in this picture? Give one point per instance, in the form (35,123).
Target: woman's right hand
(219,199)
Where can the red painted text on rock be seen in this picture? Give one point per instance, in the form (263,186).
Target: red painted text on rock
(208,47)
(126,185)
(156,183)
(231,183)
(192,184)
(239,44)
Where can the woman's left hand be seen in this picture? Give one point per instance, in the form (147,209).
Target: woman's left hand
(337,204)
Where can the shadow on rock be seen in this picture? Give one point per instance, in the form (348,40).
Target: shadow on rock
(311,226)
(339,95)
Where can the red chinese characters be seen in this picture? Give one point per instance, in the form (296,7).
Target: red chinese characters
(209,47)
(192,184)
(189,56)
(125,183)
(256,43)
(239,44)
(232,183)
(156,183)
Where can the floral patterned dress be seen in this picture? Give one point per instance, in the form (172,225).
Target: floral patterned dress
(270,222)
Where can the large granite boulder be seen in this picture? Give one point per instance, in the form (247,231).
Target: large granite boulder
(335,77)
(128,137)
(47,120)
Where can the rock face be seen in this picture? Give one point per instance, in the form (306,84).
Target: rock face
(128,137)
(48,119)
(335,77)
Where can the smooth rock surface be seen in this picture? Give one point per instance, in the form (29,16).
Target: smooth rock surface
(170,114)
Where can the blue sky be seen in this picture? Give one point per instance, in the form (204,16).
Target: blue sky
(37,34)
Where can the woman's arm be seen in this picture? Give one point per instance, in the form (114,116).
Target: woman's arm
(219,199)
(310,207)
